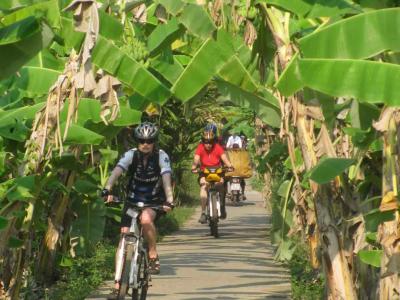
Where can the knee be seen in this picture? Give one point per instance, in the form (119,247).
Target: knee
(146,219)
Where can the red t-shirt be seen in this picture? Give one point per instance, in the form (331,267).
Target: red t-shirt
(212,158)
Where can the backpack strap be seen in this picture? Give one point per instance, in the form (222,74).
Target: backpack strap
(132,168)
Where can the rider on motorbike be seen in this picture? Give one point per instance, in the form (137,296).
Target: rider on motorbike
(210,154)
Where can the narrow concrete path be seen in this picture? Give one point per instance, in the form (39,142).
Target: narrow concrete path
(237,265)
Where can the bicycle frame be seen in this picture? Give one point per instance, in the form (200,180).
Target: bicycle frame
(134,250)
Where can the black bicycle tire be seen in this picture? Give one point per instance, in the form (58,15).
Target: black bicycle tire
(124,282)
(141,263)
(214,219)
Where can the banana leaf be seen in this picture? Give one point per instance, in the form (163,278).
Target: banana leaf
(107,56)
(36,81)
(8,117)
(197,21)
(87,229)
(173,7)
(367,81)
(328,168)
(169,68)
(72,38)
(20,42)
(45,59)
(110,27)
(207,61)
(269,113)
(361,36)
(316,8)
(78,135)
(371,257)
(47,9)
(163,35)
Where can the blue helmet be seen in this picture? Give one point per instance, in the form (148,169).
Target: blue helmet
(211,127)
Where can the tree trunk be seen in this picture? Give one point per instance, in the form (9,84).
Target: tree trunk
(389,232)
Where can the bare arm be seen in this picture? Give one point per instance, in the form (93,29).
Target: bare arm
(226,161)
(115,174)
(196,161)
(166,178)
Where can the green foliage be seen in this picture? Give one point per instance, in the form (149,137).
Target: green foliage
(85,274)
(307,284)
(371,257)
(257,183)
(328,168)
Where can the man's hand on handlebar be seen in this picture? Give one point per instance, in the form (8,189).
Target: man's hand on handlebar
(107,196)
(168,206)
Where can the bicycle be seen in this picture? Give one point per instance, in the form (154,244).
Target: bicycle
(213,175)
(132,269)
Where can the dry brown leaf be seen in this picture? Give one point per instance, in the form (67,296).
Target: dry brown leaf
(87,20)
(161,14)
(106,91)
(250,33)
(215,11)
(324,144)
(383,124)
(140,14)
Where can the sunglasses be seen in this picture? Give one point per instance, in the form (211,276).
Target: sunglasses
(207,141)
(144,141)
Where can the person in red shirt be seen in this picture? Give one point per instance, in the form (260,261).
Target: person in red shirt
(210,154)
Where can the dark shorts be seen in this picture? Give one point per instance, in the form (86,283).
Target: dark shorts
(126,220)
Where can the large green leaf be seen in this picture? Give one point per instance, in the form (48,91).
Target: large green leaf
(328,168)
(169,68)
(47,9)
(46,59)
(361,36)
(268,112)
(17,132)
(87,229)
(127,117)
(110,58)
(78,135)
(363,114)
(173,7)
(36,80)
(235,73)
(197,21)
(163,35)
(3,223)
(369,81)
(315,8)
(72,38)
(207,61)
(110,27)
(89,110)
(24,188)
(13,4)
(371,257)
(375,217)
(20,42)
(8,117)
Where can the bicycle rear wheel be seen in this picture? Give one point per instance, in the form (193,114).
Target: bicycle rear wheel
(214,218)
(143,278)
(124,284)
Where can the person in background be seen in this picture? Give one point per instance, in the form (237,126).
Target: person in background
(210,154)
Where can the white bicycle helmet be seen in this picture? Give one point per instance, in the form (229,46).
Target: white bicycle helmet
(146,131)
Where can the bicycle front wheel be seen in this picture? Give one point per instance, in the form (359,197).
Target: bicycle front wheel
(124,284)
(214,218)
(143,278)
